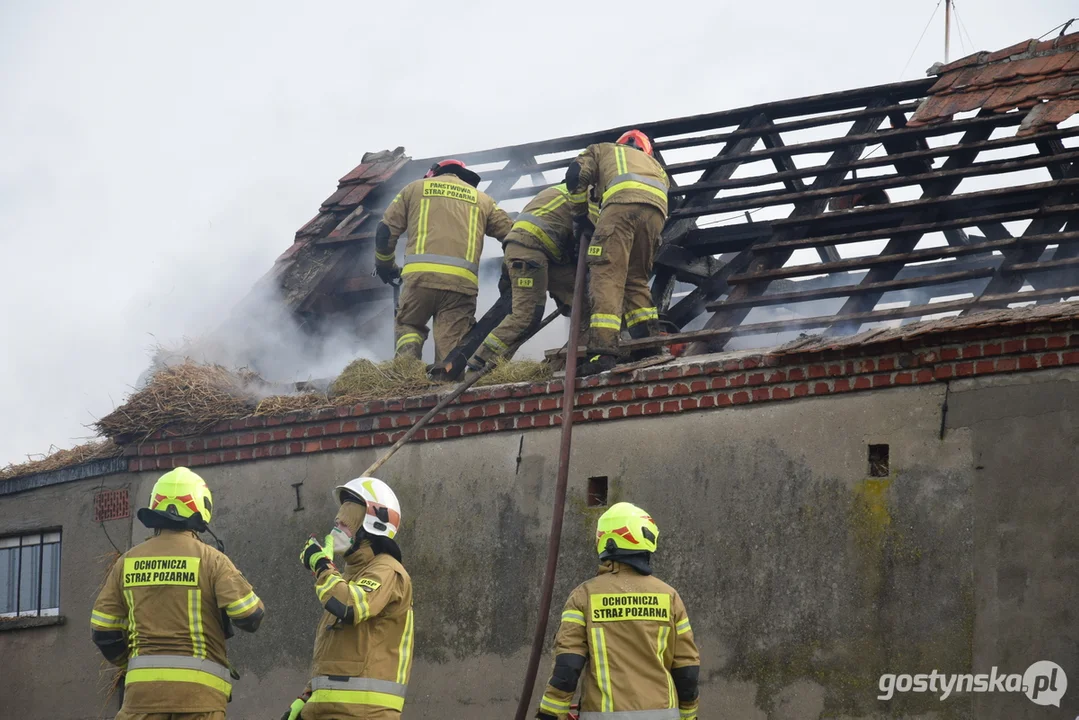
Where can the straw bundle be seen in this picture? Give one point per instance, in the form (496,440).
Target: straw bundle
(365,380)
(58,459)
(517,371)
(188,398)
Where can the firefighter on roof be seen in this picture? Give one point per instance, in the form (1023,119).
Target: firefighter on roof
(165,610)
(363,642)
(446,218)
(540,257)
(633,209)
(627,632)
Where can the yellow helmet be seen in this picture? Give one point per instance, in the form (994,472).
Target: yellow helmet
(181,494)
(625,529)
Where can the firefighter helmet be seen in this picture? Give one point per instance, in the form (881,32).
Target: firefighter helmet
(383,510)
(625,529)
(454,167)
(181,494)
(637,139)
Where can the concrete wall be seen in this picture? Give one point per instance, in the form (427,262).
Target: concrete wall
(805,578)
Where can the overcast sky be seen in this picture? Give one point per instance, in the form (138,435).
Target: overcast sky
(156,157)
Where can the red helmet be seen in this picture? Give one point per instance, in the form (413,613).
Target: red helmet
(443,164)
(455,167)
(637,139)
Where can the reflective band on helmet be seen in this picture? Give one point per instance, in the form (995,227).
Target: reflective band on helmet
(573,616)
(640,315)
(358,691)
(602,669)
(537,231)
(179,668)
(633,181)
(668,714)
(446,264)
(408,338)
(608,322)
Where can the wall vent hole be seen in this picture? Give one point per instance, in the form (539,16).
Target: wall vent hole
(878,461)
(597,491)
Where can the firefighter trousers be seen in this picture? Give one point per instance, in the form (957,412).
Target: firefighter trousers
(453,315)
(620,263)
(125,715)
(532,276)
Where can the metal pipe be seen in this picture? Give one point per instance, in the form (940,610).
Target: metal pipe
(465,384)
(947,28)
(555,538)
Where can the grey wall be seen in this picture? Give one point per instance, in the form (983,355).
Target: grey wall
(805,579)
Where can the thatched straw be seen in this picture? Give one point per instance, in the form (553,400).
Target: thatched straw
(365,380)
(517,371)
(188,398)
(59,459)
(283,404)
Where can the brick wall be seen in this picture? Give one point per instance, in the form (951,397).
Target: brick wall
(690,387)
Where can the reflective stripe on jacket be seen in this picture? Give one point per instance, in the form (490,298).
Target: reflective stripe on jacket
(546,223)
(631,630)
(446,220)
(362,669)
(167,595)
(623,174)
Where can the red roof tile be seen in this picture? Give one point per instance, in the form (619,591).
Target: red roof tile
(1021,76)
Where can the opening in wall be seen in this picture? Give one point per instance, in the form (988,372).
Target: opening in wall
(878,461)
(597,491)
(30,575)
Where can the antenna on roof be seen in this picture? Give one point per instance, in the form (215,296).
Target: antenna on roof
(947,27)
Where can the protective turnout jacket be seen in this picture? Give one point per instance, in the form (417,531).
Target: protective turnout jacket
(446,220)
(631,637)
(159,617)
(621,174)
(546,223)
(363,644)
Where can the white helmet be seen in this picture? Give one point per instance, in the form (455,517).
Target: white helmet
(383,511)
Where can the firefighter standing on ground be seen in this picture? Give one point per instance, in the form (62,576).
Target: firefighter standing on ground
(446,218)
(363,643)
(540,257)
(160,615)
(627,632)
(633,191)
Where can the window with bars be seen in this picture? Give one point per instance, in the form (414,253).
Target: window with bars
(30,575)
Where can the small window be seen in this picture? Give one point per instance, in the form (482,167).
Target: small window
(30,575)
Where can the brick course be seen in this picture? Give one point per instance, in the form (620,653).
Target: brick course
(751,379)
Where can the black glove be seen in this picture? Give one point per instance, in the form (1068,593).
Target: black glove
(476,364)
(581,226)
(504,281)
(564,310)
(387,273)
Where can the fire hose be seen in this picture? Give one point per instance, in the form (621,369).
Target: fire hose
(555,538)
(469,380)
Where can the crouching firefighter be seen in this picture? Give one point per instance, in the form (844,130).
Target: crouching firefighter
(633,192)
(167,606)
(627,632)
(446,217)
(540,258)
(363,643)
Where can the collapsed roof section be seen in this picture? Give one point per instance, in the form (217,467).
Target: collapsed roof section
(827,213)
